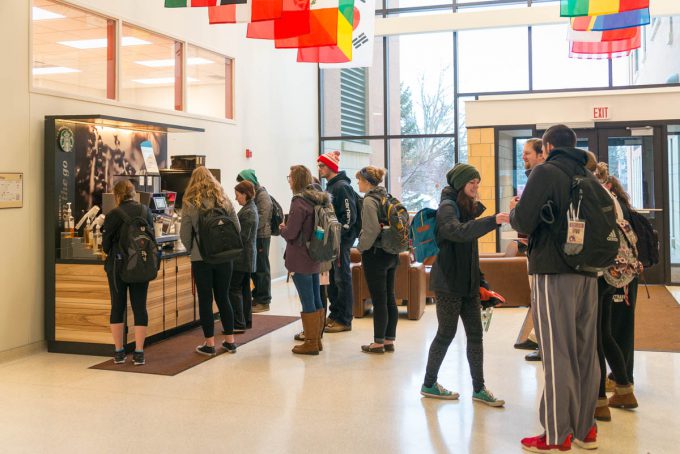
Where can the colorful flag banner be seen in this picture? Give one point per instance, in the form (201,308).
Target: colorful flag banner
(328,19)
(249,11)
(363,38)
(627,19)
(575,8)
(608,35)
(600,56)
(176,3)
(294,21)
(200,3)
(607,47)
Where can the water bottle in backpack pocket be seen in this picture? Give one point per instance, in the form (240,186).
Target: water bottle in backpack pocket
(139,258)
(219,239)
(324,245)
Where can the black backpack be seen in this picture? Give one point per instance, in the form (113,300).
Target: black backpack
(219,239)
(138,249)
(277,217)
(594,206)
(648,239)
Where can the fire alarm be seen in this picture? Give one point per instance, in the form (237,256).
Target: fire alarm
(249,153)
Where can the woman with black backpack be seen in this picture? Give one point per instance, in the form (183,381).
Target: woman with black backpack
(202,196)
(379,265)
(124,194)
(298,232)
(456,279)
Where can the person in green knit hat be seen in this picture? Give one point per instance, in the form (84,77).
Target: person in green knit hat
(262,279)
(455,279)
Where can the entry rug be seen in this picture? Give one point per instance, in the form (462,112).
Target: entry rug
(657,320)
(177,354)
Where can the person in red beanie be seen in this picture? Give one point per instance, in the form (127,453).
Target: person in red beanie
(345,204)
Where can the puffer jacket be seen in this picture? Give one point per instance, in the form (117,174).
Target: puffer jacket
(371,228)
(264,212)
(248,218)
(299,229)
(456,271)
(189,228)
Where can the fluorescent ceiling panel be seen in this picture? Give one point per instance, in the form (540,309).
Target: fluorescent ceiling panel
(161,80)
(170,62)
(54,70)
(43,14)
(101,43)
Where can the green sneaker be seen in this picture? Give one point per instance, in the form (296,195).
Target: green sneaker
(486,397)
(438,392)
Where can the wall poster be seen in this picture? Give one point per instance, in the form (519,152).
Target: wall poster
(11,190)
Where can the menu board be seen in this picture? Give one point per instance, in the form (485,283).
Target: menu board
(11,190)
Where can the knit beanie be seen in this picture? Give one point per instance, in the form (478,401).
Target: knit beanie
(331,160)
(249,175)
(460,175)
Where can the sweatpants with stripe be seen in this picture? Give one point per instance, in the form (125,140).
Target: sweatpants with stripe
(564,307)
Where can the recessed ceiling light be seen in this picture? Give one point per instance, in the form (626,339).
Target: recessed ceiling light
(101,43)
(170,62)
(43,14)
(54,70)
(161,80)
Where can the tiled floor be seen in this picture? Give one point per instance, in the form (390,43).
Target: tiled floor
(675,291)
(266,400)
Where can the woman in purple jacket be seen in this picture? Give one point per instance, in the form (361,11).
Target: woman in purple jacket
(298,232)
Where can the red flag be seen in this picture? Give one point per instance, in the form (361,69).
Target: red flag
(294,21)
(607,47)
(249,11)
(323,31)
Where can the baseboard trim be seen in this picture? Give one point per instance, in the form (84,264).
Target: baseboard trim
(20,352)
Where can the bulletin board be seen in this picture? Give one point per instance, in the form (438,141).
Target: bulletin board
(11,190)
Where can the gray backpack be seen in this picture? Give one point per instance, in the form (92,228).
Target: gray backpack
(324,245)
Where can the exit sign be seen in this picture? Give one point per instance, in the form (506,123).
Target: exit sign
(600,113)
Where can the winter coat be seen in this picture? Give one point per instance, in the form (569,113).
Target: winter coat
(114,223)
(345,205)
(456,271)
(299,229)
(264,212)
(189,228)
(247,217)
(547,183)
(371,227)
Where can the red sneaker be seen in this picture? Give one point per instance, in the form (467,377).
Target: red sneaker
(590,442)
(538,444)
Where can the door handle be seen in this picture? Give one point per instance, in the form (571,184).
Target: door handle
(649,210)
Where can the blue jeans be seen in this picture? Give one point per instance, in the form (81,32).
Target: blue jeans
(308,289)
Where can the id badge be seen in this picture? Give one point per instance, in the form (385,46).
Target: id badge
(576,232)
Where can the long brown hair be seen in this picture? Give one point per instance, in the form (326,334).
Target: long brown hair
(617,189)
(123,190)
(466,204)
(300,178)
(203,186)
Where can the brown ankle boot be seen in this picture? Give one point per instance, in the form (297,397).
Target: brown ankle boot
(623,397)
(602,412)
(321,313)
(310,324)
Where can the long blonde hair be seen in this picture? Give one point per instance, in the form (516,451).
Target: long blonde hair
(203,186)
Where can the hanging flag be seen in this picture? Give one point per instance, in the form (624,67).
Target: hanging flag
(363,38)
(294,21)
(607,35)
(250,11)
(607,47)
(200,3)
(575,8)
(328,20)
(626,19)
(175,3)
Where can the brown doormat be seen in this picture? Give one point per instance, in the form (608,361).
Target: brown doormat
(657,320)
(177,354)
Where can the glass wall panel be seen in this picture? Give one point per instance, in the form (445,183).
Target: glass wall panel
(147,68)
(353,99)
(356,154)
(552,67)
(418,170)
(462,129)
(674,200)
(421,84)
(70,49)
(493,60)
(209,84)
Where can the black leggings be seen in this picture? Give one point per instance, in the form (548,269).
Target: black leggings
(623,326)
(607,348)
(213,280)
(241,299)
(449,308)
(379,269)
(119,290)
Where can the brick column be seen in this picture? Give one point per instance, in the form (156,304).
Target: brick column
(481,154)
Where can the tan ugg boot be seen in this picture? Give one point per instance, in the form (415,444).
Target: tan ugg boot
(623,397)
(602,412)
(321,313)
(310,324)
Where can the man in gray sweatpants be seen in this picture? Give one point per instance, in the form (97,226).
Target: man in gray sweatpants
(564,303)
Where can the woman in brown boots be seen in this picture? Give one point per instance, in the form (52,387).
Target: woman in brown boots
(298,232)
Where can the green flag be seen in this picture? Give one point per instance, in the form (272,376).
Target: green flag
(175,3)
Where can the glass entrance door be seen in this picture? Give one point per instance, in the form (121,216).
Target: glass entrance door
(630,155)
(673,167)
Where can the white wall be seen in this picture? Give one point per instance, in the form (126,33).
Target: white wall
(276,117)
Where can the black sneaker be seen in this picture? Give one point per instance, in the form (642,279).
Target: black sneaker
(138,359)
(205,350)
(229,347)
(119,357)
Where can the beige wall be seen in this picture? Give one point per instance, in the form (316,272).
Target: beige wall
(276,117)
(481,155)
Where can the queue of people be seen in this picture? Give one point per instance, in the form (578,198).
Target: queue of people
(579,327)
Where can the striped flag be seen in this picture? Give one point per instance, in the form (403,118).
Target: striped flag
(330,23)
(575,8)
(607,48)
(627,19)
(363,38)
(607,35)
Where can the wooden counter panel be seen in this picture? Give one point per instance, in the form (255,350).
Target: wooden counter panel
(154,309)
(186,310)
(170,291)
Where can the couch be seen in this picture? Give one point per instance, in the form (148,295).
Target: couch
(409,286)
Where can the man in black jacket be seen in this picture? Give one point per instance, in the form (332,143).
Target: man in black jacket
(564,302)
(345,205)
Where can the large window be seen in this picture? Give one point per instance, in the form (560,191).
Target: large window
(209,87)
